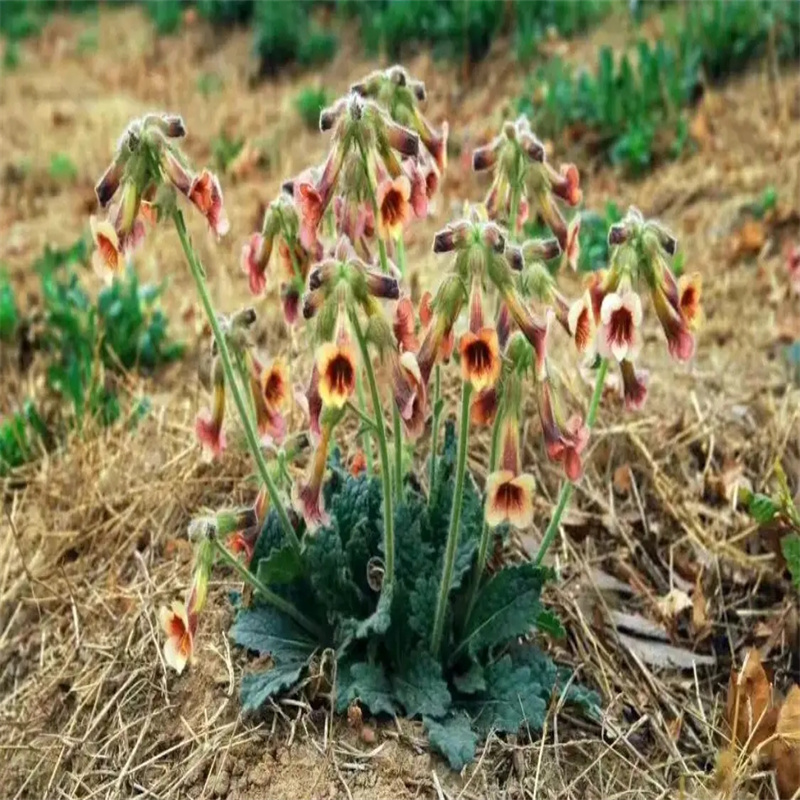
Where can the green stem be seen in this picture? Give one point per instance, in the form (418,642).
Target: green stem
(455,523)
(397,435)
(383,449)
(266,593)
(401,256)
(568,487)
(225,356)
(244,386)
(362,415)
(366,439)
(437,402)
(290,243)
(513,214)
(483,546)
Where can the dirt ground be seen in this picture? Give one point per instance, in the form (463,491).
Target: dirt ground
(93,538)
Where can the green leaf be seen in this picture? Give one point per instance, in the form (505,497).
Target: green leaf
(549,623)
(378,622)
(422,603)
(471,681)
(506,607)
(790,547)
(366,683)
(269,632)
(515,695)
(420,687)
(762,508)
(454,738)
(280,567)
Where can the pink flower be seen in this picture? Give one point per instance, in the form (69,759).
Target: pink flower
(208,425)
(634,385)
(206,194)
(620,333)
(310,205)
(573,250)
(564,446)
(107,258)
(509,498)
(255,255)
(405,325)
(419,191)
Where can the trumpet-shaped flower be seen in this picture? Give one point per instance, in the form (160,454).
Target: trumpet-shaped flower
(509,498)
(307,496)
(689,289)
(680,340)
(394,207)
(336,366)
(620,334)
(208,425)
(480,358)
(582,326)
(107,258)
(634,385)
(564,441)
(206,194)
(409,393)
(180,627)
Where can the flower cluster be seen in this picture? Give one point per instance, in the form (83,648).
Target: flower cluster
(607,320)
(147,169)
(525,182)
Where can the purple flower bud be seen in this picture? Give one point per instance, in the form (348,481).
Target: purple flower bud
(109,183)
(514,257)
(532,147)
(618,234)
(402,139)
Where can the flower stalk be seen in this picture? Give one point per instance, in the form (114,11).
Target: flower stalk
(366,439)
(383,449)
(437,409)
(266,593)
(568,486)
(225,357)
(455,522)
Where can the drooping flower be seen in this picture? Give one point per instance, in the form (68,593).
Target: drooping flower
(394,207)
(307,496)
(180,627)
(409,393)
(564,441)
(690,288)
(509,498)
(208,425)
(269,389)
(573,248)
(484,407)
(405,326)
(620,334)
(480,358)
(206,194)
(634,385)
(107,258)
(255,256)
(582,326)
(680,340)
(247,524)
(336,366)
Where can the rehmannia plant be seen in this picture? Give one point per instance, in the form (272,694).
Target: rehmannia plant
(374,577)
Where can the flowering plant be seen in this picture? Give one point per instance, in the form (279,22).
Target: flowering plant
(387,585)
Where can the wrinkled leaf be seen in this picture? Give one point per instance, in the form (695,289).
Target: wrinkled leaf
(471,681)
(454,738)
(420,687)
(280,567)
(790,547)
(365,683)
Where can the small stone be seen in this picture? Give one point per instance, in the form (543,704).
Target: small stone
(222,784)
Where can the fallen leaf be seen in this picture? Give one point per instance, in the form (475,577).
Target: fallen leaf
(749,711)
(674,728)
(673,603)
(700,130)
(749,239)
(786,747)
(700,622)
(660,654)
(623,479)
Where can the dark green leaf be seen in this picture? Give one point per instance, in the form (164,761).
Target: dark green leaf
(378,622)
(471,681)
(365,683)
(549,623)
(514,696)
(454,738)
(420,687)
(280,567)
(258,687)
(506,607)
(762,508)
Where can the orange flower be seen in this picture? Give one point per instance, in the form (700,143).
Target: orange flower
(275,384)
(336,365)
(307,497)
(180,626)
(404,325)
(394,208)
(480,358)
(107,259)
(269,390)
(565,443)
(509,498)
(484,407)
(690,288)
(582,326)
(206,194)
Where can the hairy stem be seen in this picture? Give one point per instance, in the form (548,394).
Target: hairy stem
(366,439)
(401,256)
(568,487)
(250,433)
(383,449)
(437,401)
(397,435)
(455,523)
(266,593)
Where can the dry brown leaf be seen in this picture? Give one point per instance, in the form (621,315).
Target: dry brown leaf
(749,710)
(623,479)
(700,130)
(786,747)
(700,621)
(749,239)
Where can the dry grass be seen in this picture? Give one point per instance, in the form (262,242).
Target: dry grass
(92,538)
